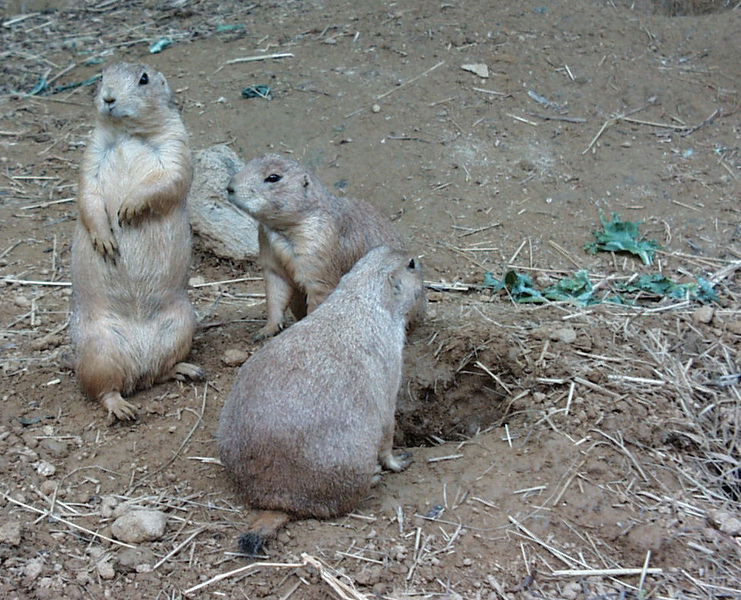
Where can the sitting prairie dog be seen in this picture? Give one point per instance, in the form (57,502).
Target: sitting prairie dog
(132,323)
(309,420)
(308,238)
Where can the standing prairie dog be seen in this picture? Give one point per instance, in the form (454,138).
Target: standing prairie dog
(309,420)
(132,323)
(308,238)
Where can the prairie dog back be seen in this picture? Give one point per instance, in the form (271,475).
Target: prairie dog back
(310,417)
(132,321)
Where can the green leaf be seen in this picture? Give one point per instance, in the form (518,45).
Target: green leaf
(705,291)
(660,285)
(621,236)
(521,288)
(159,45)
(577,287)
(492,282)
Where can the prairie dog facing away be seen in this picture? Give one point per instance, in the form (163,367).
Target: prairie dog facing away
(308,238)
(132,323)
(309,420)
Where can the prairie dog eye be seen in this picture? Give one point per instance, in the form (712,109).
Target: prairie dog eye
(273,178)
(144,79)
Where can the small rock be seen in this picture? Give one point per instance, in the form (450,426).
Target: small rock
(732,527)
(222,228)
(234,357)
(56,448)
(725,522)
(139,526)
(735,327)
(479,69)
(106,570)
(131,559)
(33,569)
(197,280)
(22,302)
(45,469)
(376,108)
(48,487)
(703,315)
(107,505)
(566,335)
(47,342)
(571,590)
(10,533)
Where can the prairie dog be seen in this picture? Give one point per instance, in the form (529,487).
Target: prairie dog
(309,420)
(132,323)
(308,238)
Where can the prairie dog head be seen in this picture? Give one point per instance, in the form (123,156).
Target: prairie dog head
(275,190)
(395,277)
(407,288)
(134,94)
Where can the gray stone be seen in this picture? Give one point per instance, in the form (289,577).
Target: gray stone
(10,533)
(139,526)
(224,229)
(130,559)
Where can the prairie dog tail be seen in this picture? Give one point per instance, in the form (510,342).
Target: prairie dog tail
(263,527)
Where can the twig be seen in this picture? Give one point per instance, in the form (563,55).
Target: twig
(622,447)
(67,523)
(609,123)
(243,570)
(604,572)
(247,59)
(180,547)
(556,118)
(238,280)
(493,93)
(707,121)
(496,378)
(45,204)
(408,81)
(29,282)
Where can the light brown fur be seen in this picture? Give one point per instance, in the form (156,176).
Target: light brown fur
(132,322)
(308,238)
(310,416)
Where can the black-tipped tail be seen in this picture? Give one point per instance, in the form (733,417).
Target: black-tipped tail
(263,527)
(251,543)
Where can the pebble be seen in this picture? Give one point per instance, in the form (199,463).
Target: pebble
(234,357)
(56,448)
(479,69)
(22,302)
(33,569)
(139,526)
(703,315)
(107,505)
(566,335)
(726,522)
(133,559)
(10,533)
(106,570)
(48,487)
(571,590)
(45,469)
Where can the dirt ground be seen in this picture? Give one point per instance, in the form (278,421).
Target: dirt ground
(560,451)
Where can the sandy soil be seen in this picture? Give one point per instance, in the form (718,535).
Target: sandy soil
(552,444)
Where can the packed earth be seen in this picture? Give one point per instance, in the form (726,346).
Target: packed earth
(575,447)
